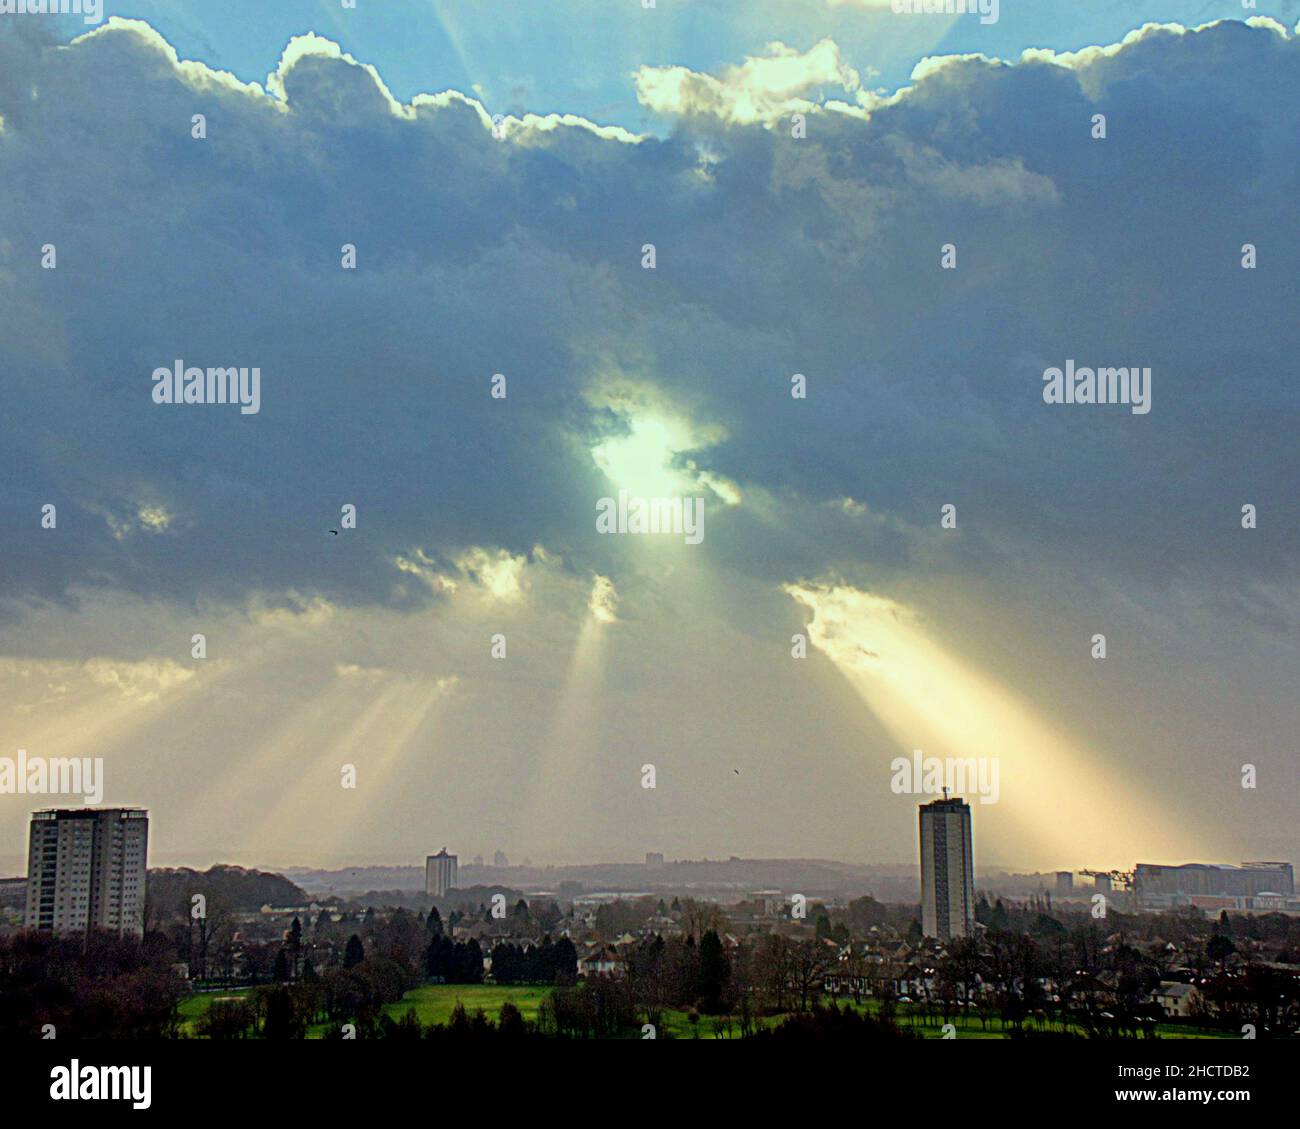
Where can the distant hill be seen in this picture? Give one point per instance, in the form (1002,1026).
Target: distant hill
(353,881)
(229,886)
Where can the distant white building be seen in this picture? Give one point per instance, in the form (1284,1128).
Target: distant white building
(86,870)
(439,873)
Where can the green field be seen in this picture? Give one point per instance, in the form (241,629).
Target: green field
(193,1008)
(970,1027)
(434,1003)
(678,1026)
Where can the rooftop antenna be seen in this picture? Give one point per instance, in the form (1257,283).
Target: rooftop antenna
(945,795)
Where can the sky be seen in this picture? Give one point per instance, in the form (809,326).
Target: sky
(873,234)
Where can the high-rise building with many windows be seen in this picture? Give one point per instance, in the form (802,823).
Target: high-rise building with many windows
(439,873)
(86,869)
(947,875)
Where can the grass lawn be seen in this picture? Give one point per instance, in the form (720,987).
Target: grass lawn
(969,1027)
(193,1008)
(434,1003)
(678,1026)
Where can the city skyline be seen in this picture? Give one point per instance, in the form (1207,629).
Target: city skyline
(944,865)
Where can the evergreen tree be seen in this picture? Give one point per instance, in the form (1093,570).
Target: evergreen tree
(510,1021)
(1000,919)
(1220,948)
(715,973)
(433,923)
(565,962)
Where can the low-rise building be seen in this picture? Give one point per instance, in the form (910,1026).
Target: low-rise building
(1176,999)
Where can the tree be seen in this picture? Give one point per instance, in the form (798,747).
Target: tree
(510,1021)
(773,968)
(1000,918)
(715,974)
(355,952)
(433,923)
(847,1025)
(227,1018)
(744,981)
(807,971)
(866,912)
(964,965)
(566,962)
(281,1017)
(1219,948)
(648,979)
(699,917)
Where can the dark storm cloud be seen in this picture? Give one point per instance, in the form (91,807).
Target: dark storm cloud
(776,255)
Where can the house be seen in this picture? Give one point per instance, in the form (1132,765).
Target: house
(1176,999)
(602,959)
